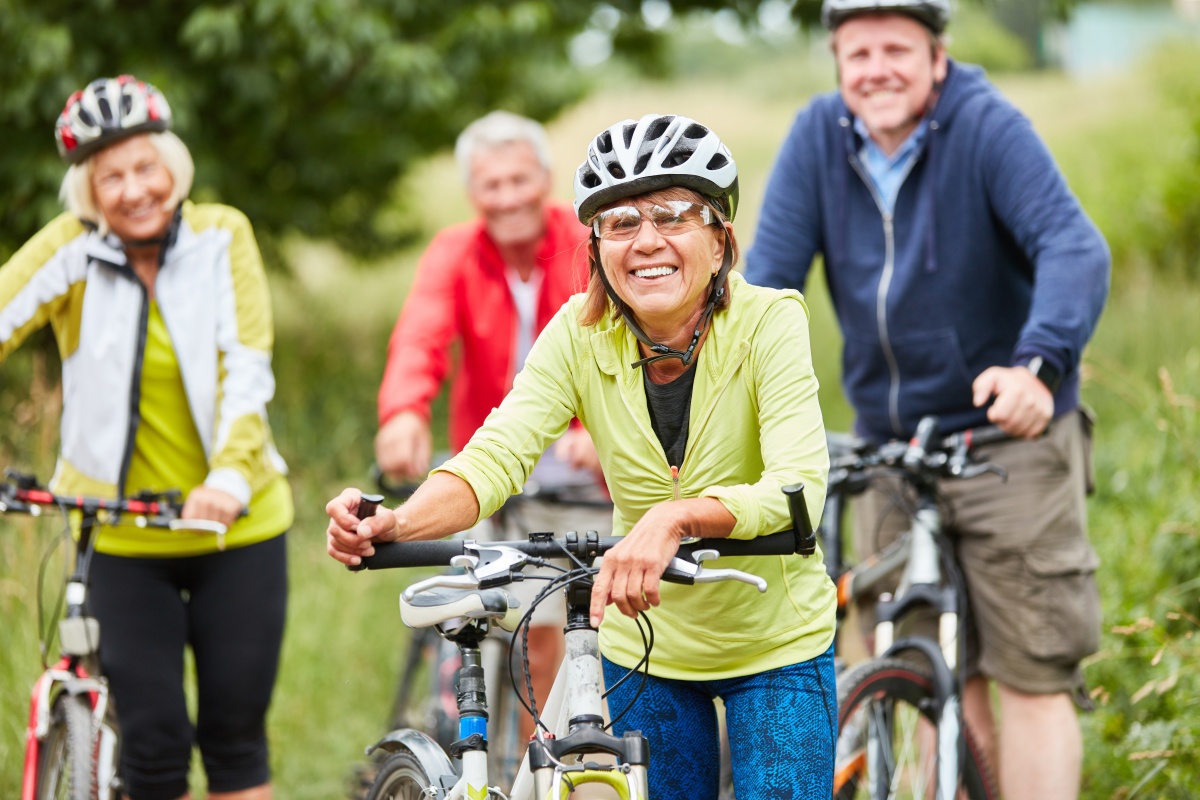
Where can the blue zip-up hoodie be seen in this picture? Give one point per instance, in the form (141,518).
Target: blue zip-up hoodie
(987,260)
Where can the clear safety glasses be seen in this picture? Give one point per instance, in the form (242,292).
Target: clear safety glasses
(670,219)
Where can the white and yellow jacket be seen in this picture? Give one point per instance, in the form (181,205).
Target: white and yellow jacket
(213,297)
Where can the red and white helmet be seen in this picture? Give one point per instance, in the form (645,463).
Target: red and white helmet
(106,110)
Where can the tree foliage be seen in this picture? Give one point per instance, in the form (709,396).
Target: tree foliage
(303,113)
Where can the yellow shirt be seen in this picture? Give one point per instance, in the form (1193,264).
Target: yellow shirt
(168,454)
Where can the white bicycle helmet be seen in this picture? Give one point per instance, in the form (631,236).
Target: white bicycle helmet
(933,14)
(655,152)
(108,109)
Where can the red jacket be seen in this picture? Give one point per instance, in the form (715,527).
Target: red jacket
(461,294)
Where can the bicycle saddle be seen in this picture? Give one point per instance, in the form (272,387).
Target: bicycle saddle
(438,605)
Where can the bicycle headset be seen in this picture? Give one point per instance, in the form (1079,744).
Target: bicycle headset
(652,153)
(106,110)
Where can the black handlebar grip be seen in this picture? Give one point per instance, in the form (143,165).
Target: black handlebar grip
(368,505)
(806,537)
(394,555)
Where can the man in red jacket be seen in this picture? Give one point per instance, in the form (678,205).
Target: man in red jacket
(490,285)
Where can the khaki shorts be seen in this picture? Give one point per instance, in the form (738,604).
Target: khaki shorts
(1022,545)
(521,517)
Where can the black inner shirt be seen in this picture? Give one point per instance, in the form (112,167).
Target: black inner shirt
(670,404)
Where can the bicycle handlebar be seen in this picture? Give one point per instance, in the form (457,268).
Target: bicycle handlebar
(925,454)
(20,493)
(437,553)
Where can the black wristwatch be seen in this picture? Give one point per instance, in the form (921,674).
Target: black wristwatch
(1045,372)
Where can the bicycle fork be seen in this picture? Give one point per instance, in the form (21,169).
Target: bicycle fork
(70,678)
(581,714)
(921,585)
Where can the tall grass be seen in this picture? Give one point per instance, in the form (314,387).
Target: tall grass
(344,637)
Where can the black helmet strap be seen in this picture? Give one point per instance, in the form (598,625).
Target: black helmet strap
(661,351)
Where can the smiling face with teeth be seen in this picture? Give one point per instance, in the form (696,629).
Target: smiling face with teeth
(664,280)
(132,188)
(888,65)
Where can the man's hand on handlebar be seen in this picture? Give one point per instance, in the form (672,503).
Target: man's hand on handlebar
(349,539)
(404,447)
(1023,405)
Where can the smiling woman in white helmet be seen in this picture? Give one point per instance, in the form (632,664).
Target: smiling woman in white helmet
(161,312)
(699,393)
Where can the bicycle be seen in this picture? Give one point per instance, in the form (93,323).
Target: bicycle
(883,701)
(571,732)
(73,742)
(425,695)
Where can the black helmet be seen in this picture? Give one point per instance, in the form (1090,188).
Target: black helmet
(933,14)
(108,109)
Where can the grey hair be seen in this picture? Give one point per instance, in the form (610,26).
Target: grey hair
(76,190)
(495,129)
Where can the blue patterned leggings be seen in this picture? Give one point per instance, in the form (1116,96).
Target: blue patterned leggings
(782,730)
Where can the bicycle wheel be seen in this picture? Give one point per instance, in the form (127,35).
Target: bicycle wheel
(401,777)
(66,762)
(880,704)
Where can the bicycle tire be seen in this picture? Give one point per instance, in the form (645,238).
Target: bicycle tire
(886,697)
(66,762)
(401,777)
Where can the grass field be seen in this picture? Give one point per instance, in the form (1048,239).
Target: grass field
(344,640)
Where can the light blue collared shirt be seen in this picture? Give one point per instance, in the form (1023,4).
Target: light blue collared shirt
(888,172)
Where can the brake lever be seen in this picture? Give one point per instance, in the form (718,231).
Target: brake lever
(692,572)
(975,470)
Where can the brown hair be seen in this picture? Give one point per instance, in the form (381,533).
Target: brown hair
(598,302)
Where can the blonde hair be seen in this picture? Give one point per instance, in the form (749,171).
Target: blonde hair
(598,303)
(76,190)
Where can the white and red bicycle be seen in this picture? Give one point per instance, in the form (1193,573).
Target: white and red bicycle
(72,742)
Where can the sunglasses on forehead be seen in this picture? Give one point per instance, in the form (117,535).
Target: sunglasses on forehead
(671,218)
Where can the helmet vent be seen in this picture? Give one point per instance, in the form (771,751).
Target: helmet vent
(679,156)
(657,128)
(604,142)
(616,171)
(627,134)
(717,161)
(695,131)
(106,111)
(589,179)
(642,161)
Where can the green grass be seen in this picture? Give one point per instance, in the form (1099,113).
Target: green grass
(344,637)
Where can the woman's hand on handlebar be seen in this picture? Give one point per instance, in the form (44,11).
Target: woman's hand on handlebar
(205,502)
(349,539)
(631,572)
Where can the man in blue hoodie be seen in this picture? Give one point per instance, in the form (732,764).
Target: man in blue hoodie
(967,281)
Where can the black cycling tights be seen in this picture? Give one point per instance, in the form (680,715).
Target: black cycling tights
(229,607)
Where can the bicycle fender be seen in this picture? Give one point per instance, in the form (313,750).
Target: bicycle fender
(945,683)
(421,745)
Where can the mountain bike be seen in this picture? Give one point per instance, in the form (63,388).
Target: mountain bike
(426,690)
(901,732)
(72,742)
(571,735)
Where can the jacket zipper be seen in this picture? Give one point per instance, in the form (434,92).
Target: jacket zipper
(675,481)
(885,282)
